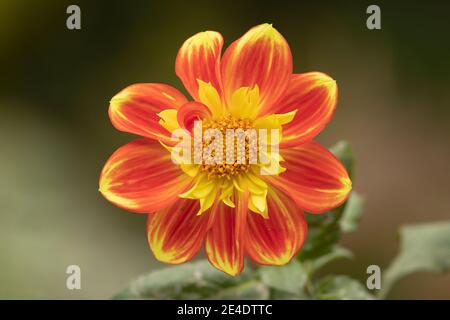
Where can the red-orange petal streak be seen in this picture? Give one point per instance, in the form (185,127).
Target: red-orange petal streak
(260,57)
(314,96)
(225,240)
(274,241)
(191,112)
(141,177)
(135,109)
(176,233)
(314,178)
(199,58)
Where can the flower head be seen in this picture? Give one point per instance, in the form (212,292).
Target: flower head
(236,207)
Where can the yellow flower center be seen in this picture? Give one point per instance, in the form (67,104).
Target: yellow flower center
(253,146)
(230,166)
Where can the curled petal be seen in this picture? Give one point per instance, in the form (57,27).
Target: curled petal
(225,240)
(199,58)
(141,177)
(135,109)
(276,239)
(314,96)
(176,233)
(261,58)
(191,112)
(314,178)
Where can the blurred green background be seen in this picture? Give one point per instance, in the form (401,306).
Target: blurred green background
(394,87)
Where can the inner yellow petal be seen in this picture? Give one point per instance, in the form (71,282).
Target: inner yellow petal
(169,119)
(209,96)
(245,103)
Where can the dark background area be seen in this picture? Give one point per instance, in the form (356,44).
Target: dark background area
(394,92)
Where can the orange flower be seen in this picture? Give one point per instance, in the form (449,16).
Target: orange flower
(233,209)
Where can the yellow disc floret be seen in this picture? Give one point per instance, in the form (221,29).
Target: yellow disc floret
(228,169)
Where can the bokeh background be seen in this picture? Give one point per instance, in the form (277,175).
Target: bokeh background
(55,133)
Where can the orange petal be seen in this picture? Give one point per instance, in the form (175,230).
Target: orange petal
(199,58)
(135,109)
(262,58)
(191,112)
(314,96)
(176,233)
(314,178)
(225,240)
(275,240)
(141,177)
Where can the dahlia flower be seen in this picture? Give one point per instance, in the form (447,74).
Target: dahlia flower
(232,209)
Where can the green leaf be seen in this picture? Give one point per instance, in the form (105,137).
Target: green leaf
(352,213)
(251,290)
(283,295)
(337,252)
(195,280)
(423,247)
(323,234)
(290,278)
(341,288)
